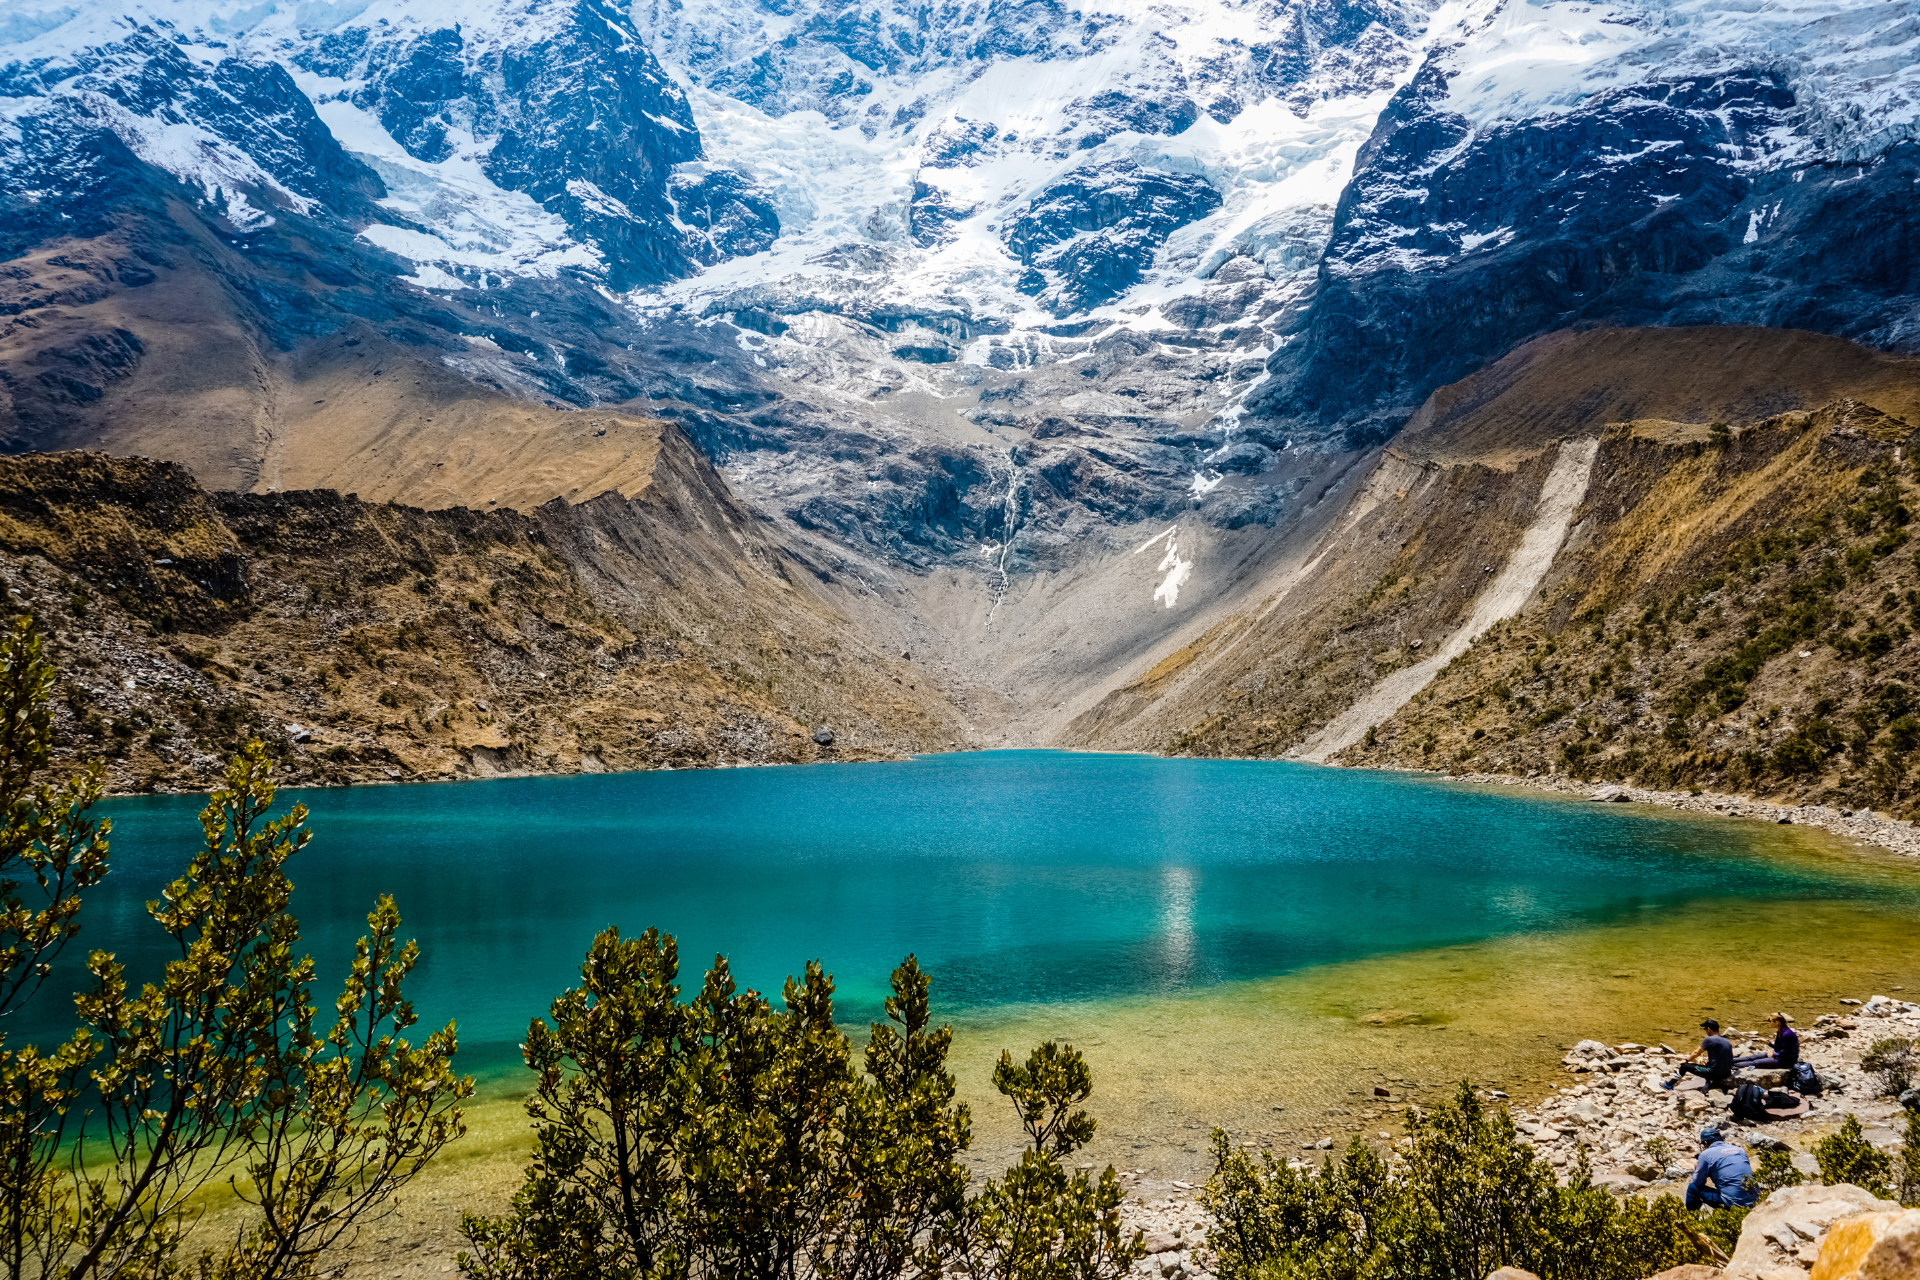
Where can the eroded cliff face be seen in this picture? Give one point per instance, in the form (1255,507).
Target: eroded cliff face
(374,642)
(1674,557)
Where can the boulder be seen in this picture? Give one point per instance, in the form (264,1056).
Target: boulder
(1883,1245)
(822,736)
(1511,1273)
(1610,795)
(1784,1232)
(1587,1055)
(1691,1271)
(1621,1184)
(1161,1242)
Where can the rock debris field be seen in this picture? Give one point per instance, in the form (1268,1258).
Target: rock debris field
(1863,826)
(1640,1139)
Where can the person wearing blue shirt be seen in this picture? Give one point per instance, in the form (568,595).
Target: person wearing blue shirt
(1727,1168)
(1718,1052)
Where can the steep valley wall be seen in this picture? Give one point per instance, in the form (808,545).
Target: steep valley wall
(1733,602)
(378,642)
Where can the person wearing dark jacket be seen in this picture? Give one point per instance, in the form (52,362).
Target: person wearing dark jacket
(1727,1168)
(1717,1051)
(1786,1048)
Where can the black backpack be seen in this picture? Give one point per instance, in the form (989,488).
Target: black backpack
(1779,1100)
(1749,1103)
(1804,1080)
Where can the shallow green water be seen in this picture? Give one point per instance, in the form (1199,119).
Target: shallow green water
(1044,891)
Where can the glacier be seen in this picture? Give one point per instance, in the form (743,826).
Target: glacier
(1004,281)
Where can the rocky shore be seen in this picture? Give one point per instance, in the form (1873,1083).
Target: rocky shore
(1861,825)
(1640,1140)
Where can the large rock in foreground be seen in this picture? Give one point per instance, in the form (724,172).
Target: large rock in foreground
(1871,1246)
(1782,1237)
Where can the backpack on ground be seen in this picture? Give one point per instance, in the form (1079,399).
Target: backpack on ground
(1749,1103)
(1781,1100)
(1804,1080)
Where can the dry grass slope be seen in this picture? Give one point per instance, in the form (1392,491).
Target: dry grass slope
(1753,509)
(372,642)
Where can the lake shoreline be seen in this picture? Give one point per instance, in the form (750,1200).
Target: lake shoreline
(1894,835)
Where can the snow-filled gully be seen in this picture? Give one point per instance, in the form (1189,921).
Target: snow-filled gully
(1506,595)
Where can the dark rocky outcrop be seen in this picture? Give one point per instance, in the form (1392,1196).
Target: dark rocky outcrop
(1088,237)
(1643,206)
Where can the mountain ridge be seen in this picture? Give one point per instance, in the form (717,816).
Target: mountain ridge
(1046,337)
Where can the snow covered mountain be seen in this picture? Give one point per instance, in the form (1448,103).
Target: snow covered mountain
(986,285)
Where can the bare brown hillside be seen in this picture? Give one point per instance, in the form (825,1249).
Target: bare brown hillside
(378,642)
(1747,625)
(1745,502)
(255,370)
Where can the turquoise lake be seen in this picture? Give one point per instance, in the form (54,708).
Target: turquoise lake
(1031,884)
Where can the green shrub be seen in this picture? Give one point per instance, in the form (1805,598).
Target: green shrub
(1468,1197)
(1773,1170)
(1846,1156)
(223,1070)
(1906,1171)
(1796,755)
(1892,1062)
(721,1137)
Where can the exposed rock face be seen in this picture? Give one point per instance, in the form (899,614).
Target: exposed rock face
(1880,1245)
(1697,184)
(370,642)
(1787,1228)
(970,303)
(1088,237)
(579,115)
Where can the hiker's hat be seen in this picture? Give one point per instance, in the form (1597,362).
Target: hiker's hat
(1711,1024)
(1710,1134)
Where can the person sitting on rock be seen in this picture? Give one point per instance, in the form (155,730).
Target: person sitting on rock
(1786,1048)
(1727,1168)
(1717,1051)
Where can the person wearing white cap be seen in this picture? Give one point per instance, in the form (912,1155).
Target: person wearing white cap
(1786,1048)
